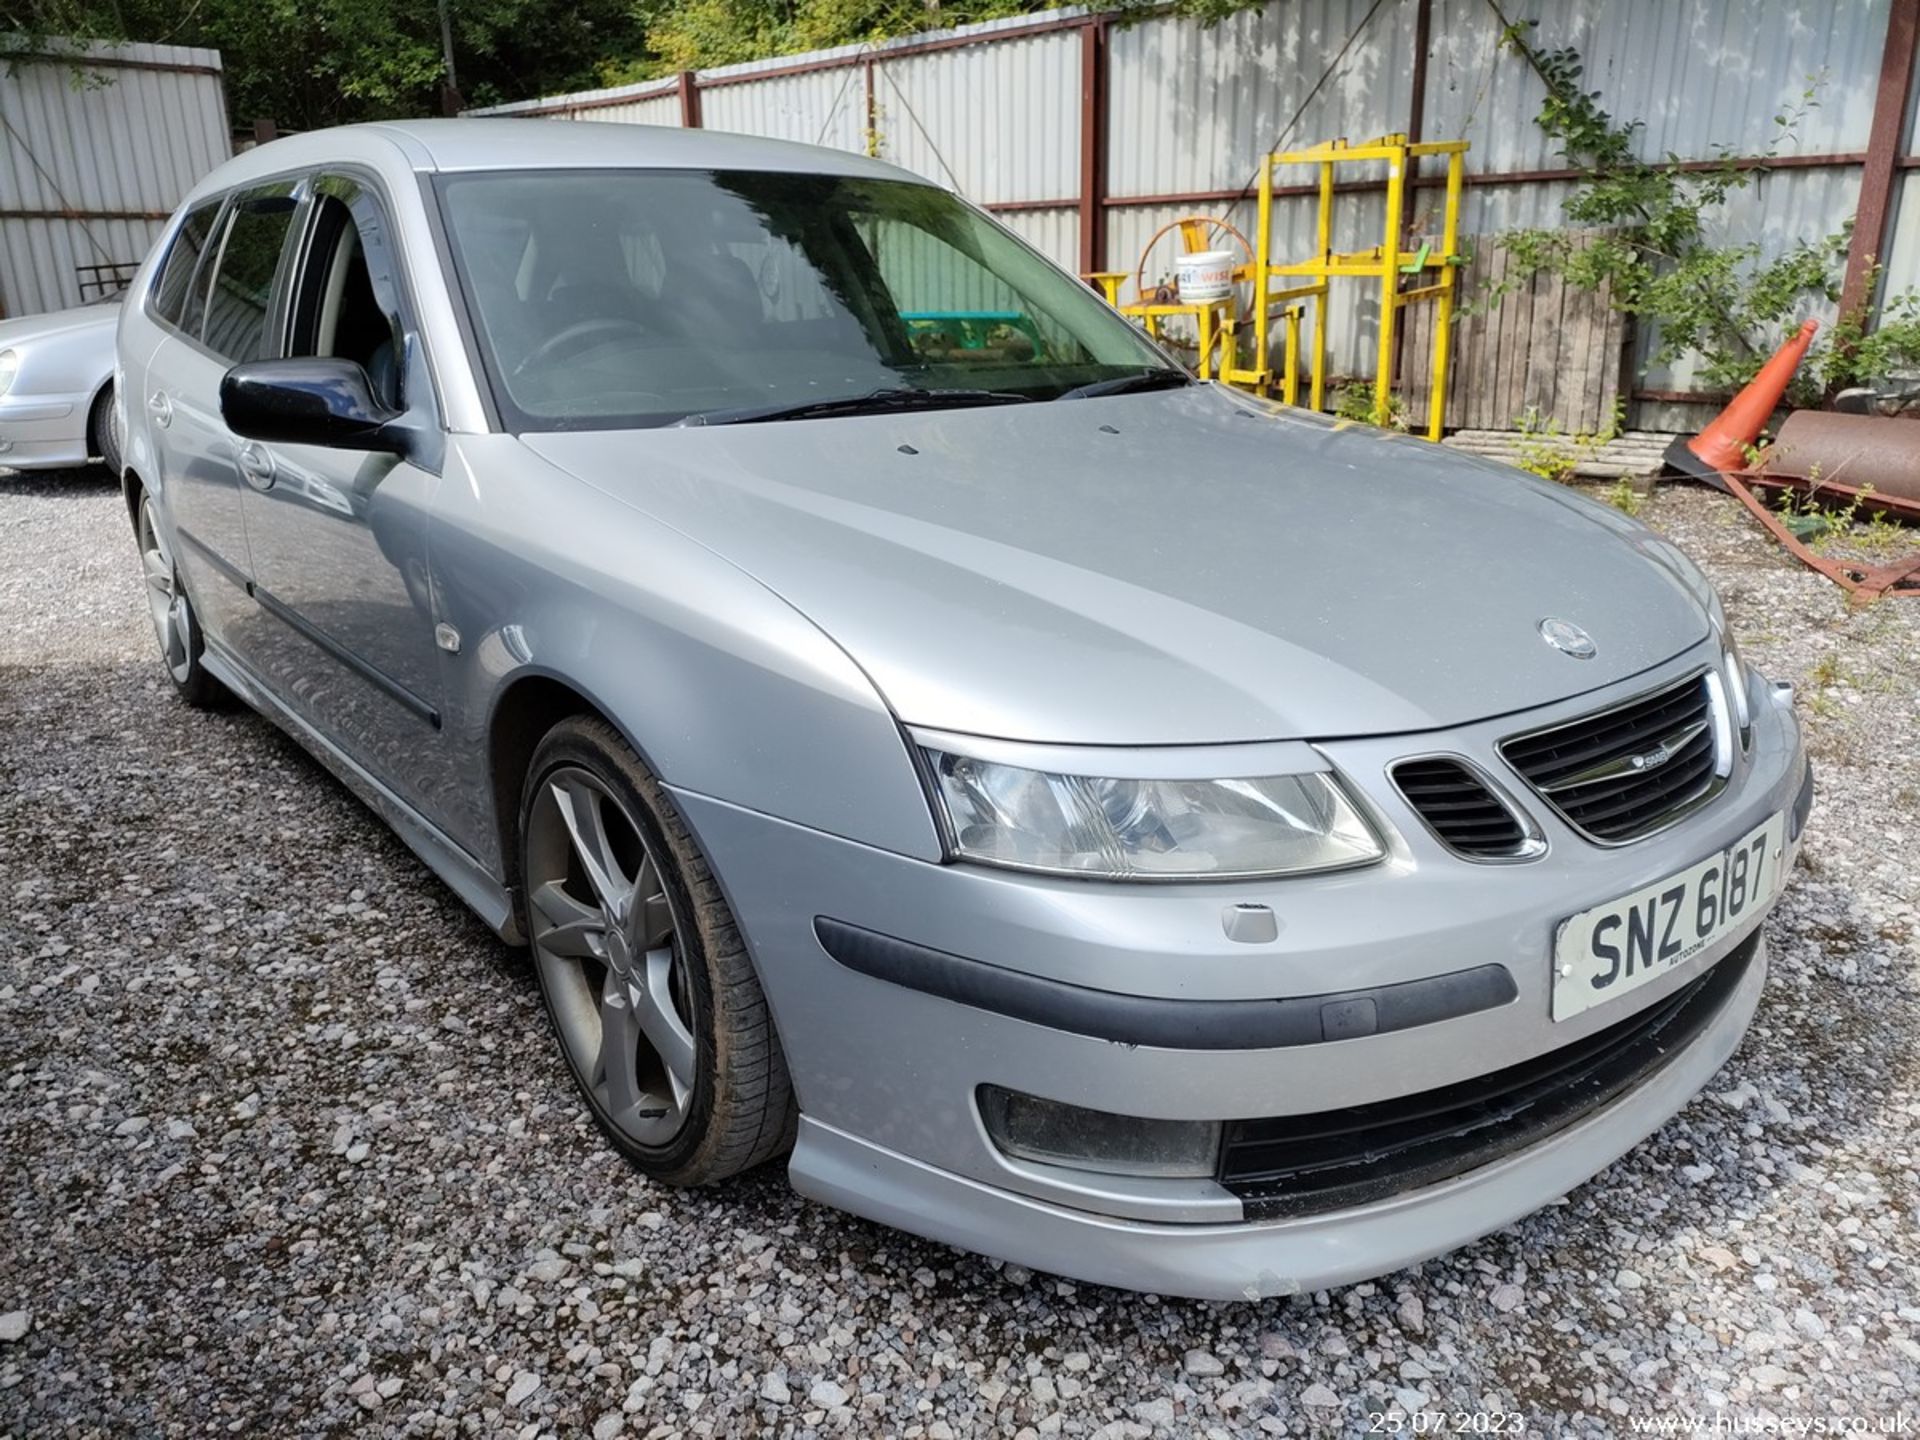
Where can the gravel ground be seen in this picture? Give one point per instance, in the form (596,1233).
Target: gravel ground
(289,1151)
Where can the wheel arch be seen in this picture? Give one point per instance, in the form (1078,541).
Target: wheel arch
(132,487)
(723,688)
(105,387)
(528,707)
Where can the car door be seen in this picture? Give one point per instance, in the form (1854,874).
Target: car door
(180,390)
(338,537)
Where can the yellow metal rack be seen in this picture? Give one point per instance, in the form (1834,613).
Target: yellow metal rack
(1220,326)
(1385,262)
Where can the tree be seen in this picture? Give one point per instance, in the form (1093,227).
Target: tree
(309,63)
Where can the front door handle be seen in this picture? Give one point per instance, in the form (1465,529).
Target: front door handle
(161,408)
(257,465)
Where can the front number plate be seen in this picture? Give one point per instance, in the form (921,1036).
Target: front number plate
(1602,953)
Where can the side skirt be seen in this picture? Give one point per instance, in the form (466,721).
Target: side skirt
(493,902)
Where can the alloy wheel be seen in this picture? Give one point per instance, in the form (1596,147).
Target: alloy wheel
(611,946)
(166,600)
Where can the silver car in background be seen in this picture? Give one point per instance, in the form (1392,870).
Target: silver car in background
(1078,814)
(56,388)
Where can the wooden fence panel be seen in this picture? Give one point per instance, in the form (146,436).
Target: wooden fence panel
(1545,346)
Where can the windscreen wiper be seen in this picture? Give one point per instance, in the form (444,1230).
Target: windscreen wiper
(1158,378)
(874,402)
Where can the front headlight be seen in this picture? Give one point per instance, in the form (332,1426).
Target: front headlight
(9,367)
(1109,829)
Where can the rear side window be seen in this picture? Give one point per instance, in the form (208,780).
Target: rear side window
(183,258)
(195,314)
(241,303)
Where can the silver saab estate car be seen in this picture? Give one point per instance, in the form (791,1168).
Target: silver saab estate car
(1072,812)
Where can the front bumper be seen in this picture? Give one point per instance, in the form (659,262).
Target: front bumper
(1258,1261)
(43,432)
(886,1074)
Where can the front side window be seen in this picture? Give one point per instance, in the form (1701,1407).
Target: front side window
(344,304)
(240,300)
(190,242)
(609,299)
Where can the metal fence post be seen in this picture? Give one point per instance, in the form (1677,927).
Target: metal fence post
(1877,180)
(1093,145)
(1417,98)
(689,100)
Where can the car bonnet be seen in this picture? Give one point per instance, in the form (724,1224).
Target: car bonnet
(1171,568)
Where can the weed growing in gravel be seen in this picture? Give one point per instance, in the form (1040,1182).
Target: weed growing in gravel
(1624,498)
(1355,401)
(1543,449)
(1850,531)
(1882,537)
(1829,672)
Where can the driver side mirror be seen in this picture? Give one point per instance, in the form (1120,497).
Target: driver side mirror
(310,401)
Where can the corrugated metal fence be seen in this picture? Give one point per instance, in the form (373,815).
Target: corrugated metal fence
(96,148)
(1086,134)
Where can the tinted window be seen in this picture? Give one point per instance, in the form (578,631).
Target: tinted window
(242,295)
(342,305)
(639,297)
(189,244)
(195,314)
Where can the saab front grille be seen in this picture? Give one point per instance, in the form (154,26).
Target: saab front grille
(1294,1165)
(1627,772)
(1463,813)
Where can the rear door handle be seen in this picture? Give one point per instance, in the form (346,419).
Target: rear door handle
(257,465)
(161,408)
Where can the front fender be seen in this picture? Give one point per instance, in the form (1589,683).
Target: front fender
(722,687)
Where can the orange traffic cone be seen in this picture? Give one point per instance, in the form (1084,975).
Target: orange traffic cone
(1723,444)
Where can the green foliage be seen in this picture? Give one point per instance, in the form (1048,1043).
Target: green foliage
(697,34)
(1541,447)
(1852,527)
(1208,12)
(1858,355)
(1354,401)
(308,63)
(1624,498)
(1659,260)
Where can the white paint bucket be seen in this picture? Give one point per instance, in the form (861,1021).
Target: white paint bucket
(1204,275)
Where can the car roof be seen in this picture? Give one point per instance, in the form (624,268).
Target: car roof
(535,144)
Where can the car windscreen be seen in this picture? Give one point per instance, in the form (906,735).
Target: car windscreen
(613,299)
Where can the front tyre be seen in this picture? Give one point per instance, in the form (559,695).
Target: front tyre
(645,976)
(174,623)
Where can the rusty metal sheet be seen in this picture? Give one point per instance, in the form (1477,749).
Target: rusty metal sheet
(1865,582)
